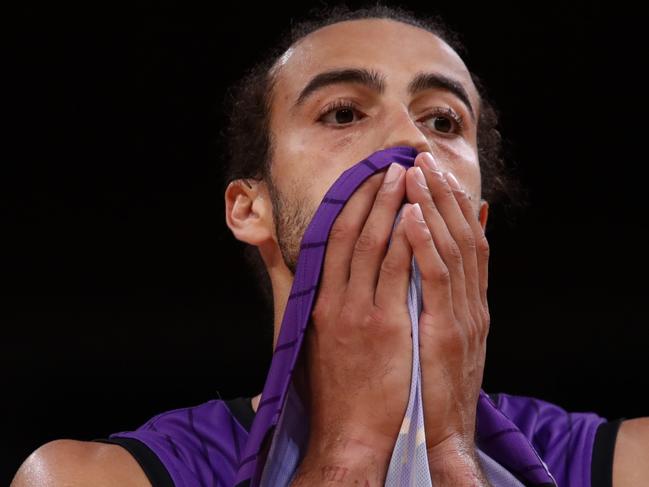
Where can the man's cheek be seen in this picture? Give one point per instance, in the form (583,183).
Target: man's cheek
(342,144)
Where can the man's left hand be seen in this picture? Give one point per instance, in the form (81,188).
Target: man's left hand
(452,253)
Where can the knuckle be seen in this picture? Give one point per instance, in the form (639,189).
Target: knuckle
(390,268)
(454,339)
(321,309)
(452,252)
(376,317)
(367,242)
(424,236)
(427,325)
(449,338)
(483,245)
(482,328)
(384,194)
(348,314)
(462,197)
(430,205)
(481,334)
(446,191)
(340,231)
(467,239)
(474,326)
(486,316)
(442,275)
(318,314)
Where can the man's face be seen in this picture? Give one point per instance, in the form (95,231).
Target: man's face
(314,144)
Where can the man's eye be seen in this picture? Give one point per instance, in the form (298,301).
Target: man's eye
(338,113)
(446,121)
(441,120)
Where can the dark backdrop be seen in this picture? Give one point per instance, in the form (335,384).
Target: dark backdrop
(124,295)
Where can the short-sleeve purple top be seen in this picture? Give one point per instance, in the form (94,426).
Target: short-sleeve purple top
(220,443)
(202,445)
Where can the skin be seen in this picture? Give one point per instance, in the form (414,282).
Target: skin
(359,349)
(353,314)
(309,156)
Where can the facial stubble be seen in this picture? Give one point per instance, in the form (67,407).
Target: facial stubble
(292,213)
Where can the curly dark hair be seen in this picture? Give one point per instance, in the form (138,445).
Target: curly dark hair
(248,141)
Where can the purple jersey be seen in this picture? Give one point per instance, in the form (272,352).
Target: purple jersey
(202,445)
(535,441)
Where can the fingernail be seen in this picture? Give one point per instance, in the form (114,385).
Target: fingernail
(392,174)
(453,183)
(419,177)
(429,160)
(418,214)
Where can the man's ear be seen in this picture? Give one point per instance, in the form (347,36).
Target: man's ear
(484,213)
(248,211)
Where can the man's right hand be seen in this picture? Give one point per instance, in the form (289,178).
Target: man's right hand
(359,347)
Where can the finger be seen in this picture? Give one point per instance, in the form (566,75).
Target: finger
(435,275)
(344,234)
(440,225)
(371,246)
(447,197)
(481,244)
(394,275)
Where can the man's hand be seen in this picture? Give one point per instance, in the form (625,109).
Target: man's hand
(452,253)
(359,347)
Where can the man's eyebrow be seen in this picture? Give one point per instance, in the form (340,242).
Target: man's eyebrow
(365,77)
(374,81)
(426,81)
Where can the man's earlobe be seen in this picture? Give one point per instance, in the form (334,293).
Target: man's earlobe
(247,211)
(484,213)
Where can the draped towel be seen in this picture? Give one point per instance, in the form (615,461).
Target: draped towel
(279,433)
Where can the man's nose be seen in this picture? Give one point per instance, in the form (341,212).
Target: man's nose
(401,129)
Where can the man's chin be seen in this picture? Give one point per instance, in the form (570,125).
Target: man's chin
(289,259)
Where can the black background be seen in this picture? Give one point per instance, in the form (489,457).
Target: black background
(125,295)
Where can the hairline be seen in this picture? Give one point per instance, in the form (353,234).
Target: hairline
(276,69)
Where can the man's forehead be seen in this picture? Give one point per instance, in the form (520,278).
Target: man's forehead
(376,43)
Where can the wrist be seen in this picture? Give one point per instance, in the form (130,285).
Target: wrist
(455,463)
(341,462)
